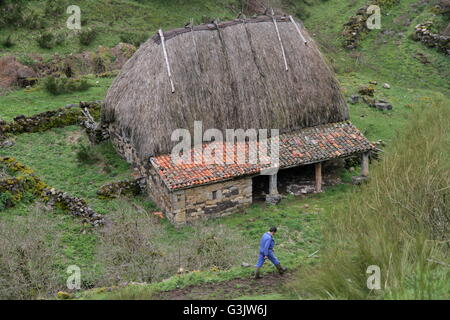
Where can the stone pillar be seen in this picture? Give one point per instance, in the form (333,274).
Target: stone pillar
(273,197)
(365,164)
(273,184)
(318,177)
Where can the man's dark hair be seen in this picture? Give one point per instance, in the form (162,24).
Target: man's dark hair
(273,229)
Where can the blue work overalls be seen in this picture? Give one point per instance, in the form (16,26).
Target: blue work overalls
(266,249)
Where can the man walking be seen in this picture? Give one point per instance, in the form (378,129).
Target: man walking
(266,252)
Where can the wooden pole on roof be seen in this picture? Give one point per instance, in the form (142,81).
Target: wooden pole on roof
(169,72)
(298,30)
(279,39)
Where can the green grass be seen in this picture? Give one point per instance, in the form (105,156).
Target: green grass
(35,100)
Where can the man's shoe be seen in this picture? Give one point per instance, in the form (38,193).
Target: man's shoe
(257,275)
(281,270)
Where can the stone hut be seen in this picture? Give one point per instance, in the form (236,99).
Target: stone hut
(250,74)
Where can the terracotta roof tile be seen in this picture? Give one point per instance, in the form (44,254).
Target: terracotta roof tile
(301,147)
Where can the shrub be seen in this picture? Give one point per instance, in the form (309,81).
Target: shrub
(7,42)
(99,64)
(138,247)
(57,86)
(27,254)
(6,200)
(87,155)
(134,38)
(46,40)
(87,35)
(11,12)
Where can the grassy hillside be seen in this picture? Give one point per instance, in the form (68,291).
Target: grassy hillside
(386,56)
(113,20)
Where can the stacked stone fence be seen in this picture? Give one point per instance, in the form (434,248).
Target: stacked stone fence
(26,182)
(423,34)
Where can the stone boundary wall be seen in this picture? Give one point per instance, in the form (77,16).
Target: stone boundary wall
(230,196)
(27,182)
(423,34)
(65,116)
(124,147)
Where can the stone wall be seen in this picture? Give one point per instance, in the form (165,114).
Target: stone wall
(124,147)
(185,205)
(214,200)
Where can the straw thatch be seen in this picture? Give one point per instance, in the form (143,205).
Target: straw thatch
(230,75)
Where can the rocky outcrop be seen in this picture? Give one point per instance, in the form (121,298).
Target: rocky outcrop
(13,73)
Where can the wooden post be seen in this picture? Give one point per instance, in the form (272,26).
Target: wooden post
(281,42)
(318,177)
(298,30)
(273,184)
(365,164)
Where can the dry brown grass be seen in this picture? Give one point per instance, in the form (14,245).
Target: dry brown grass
(230,77)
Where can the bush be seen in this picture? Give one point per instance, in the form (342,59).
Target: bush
(46,40)
(87,35)
(7,42)
(57,86)
(398,221)
(27,254)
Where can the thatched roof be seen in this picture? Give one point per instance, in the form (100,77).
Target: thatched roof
(230,75)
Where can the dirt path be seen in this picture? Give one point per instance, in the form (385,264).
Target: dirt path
(231,289)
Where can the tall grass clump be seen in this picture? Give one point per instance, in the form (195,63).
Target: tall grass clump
(398,221)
